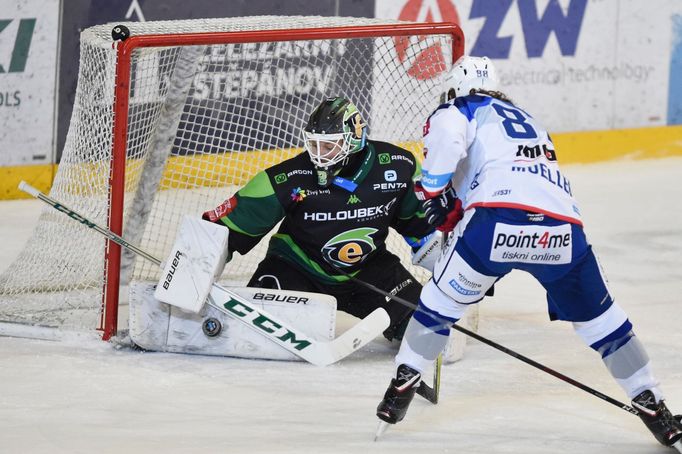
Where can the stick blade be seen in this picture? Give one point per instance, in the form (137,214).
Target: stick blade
(381,428)
(359,335)
(677,445)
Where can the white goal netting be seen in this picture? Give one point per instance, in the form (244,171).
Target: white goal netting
(201,120)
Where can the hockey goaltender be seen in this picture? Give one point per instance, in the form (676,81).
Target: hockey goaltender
(336,202)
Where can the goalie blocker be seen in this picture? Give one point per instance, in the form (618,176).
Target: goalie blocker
(196,260)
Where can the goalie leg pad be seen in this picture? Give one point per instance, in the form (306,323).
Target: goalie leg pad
(157,326)
(454,349)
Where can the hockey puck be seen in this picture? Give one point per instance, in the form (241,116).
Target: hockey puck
(120,33)
(211,327)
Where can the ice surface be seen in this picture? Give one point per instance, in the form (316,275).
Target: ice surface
(82,397)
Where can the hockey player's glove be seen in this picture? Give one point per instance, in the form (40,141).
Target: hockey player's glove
(443,210)
(425,251)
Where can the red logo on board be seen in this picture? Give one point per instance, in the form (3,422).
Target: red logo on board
(429,62)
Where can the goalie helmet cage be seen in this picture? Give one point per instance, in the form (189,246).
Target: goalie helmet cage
(173,117)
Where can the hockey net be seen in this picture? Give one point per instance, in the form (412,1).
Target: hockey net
(174,119)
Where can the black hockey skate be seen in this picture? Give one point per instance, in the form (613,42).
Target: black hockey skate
(399,395)
(666,428)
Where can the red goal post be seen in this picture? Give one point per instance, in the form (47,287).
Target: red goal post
(146,76)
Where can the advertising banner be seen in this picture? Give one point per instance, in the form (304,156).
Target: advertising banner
(85,13)
(28,60)
(240,86)
(578,65)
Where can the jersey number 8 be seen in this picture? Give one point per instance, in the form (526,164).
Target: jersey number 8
(514,123)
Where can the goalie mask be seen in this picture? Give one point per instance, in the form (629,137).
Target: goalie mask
(334,132)
(469,73)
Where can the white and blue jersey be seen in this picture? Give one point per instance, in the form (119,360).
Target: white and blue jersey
(519,210)
(496,155)
(519,214)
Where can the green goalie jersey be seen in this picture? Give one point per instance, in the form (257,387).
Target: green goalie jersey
(345,224)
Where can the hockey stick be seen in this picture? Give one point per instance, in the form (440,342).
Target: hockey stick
(319,353)
(510,352)
(439,360)
(430,393)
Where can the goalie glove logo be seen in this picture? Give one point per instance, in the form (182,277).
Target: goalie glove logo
(350,248)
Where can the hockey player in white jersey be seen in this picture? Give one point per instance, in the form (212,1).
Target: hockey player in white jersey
(490,172)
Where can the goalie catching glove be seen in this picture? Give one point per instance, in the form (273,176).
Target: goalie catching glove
(442,209)
(425,251)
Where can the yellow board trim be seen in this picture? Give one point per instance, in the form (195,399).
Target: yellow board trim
(572,148)
(595,146)
(39,176)
(210,170)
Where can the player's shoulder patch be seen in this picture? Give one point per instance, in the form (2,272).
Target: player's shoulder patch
(296,167)
(392,155)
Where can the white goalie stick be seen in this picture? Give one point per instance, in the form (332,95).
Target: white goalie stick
(319,353)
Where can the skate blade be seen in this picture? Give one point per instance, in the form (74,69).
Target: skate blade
(383,425)
(678,445)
